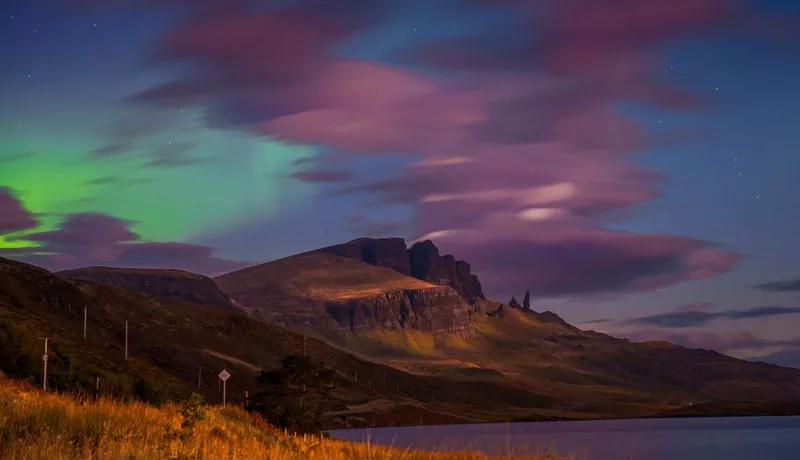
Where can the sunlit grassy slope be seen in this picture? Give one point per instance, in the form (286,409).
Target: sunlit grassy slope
(34,425)
(292,282)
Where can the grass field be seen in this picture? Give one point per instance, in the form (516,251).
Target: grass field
(36,425)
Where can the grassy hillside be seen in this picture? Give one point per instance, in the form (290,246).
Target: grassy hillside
(591,374)
(298,281)
(35,426)
(177,285)
(171,342)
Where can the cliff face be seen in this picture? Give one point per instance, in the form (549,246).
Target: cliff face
(334,290)
(174,285)
(437,310)
(427,264)
(421,261)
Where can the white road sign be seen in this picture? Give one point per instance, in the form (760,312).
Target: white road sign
(224,375)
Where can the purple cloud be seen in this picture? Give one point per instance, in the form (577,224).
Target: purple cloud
(98,239)
(685,319)
(13,215)
(515,168)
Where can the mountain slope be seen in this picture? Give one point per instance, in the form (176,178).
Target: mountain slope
(170,343)
(327,292)
(590,374)
(175,285)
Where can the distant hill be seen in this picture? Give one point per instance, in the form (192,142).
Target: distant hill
(358,305)
(175,285)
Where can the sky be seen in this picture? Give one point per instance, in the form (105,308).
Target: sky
(635,165)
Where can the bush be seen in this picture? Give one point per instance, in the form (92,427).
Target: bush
(193,411)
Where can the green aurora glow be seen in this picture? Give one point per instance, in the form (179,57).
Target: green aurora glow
(240,176)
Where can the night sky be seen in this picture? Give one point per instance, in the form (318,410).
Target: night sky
(635,164)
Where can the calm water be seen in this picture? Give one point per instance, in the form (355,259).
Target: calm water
(735,438)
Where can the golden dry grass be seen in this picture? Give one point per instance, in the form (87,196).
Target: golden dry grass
(35,425)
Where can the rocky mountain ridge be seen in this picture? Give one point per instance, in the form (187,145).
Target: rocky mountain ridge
(422,261)
(352,296)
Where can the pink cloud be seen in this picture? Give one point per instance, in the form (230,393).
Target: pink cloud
(98,239)
(13,216)
(552,259)
(586,35)
(519,167)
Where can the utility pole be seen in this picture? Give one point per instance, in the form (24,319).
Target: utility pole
(44,362)
(85,314)
(126,339)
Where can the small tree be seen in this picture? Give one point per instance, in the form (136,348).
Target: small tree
(295,395)
(193,411)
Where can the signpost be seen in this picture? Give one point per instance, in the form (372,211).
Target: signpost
(224,376)
(44,362)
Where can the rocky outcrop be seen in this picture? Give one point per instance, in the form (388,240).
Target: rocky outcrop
(422,261)
(174,285)
(427,264)
(384,252)
(526,301)
(439,311)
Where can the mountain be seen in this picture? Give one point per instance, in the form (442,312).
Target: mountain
(403,347)
(356,303)
(422,261)
(329,293)
(175,285)
(173,344)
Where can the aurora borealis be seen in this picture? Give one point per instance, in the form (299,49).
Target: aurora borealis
(638,180)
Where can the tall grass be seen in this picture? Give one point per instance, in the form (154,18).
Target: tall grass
(36,425)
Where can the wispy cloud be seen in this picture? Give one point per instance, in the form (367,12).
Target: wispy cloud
(789,285)
(686,319)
